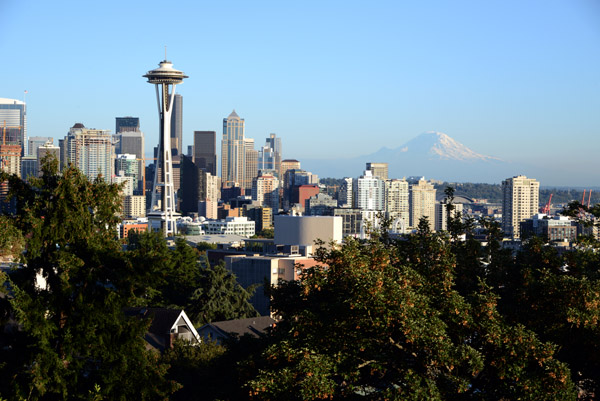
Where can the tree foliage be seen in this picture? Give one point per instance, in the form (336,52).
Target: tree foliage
(72,338)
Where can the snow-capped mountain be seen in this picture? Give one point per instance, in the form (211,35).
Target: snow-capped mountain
(434,145)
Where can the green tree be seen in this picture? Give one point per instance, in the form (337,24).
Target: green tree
(219,297)
(383,320)
(73,339)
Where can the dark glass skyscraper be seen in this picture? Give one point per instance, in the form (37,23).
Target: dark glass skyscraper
(127,124)
(205,150)
(177,126)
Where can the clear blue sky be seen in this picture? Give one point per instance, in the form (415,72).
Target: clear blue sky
(513,79)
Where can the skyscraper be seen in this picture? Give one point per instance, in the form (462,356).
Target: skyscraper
(90,150)
(369,192)
(13,118)
(205,150)
(422,203)
(131,142)
(379,170)
(127,124)
(274,144)
(520,201)
(177,125)
(250,164)
(233,150)
(397,202)
(162,216)
(42,152)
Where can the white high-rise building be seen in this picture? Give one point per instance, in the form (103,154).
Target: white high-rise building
(369,192)
(90,150)
(345,194)
(265,191)
(520,201)
(397,207)
(422,203)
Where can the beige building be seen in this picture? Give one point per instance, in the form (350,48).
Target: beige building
(251,165)
(397,202)
(379,170)
(134,206)
(265,191)
(289,164)
(305,230)
(233,150)
(10,159)
(520,201)
(422,203)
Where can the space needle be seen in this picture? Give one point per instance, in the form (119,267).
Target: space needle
(162,216)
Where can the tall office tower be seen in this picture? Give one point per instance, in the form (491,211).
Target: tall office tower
(131,142)
(162,216)
(190,151)
(288,164)
(251,165)
(128,165)
(294,178)
(42,152)
(127,124)
(274,144)
(369,192)
(266,159)
(13,119)
(441,214)
(233,151)
(205,150)
(345,194)
(177,126)
(36,141)
(90,150)
(197,185)
(126,183)
(422,203)
(520,201)
(397,203)
(265,191)
(379,170)
(29,167)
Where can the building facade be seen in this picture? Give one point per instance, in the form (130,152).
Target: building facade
(379,170)
(177,126)
(13,120)
(520,201)
(369,192)
(205,150)
(90,150)
(422,203)
(233,151)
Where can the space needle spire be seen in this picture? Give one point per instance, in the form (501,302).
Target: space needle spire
(162,216)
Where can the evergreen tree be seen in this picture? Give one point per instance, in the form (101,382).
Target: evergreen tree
(73,340)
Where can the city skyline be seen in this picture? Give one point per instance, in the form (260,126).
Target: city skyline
(511,80)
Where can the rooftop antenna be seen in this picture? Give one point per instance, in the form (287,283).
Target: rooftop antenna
(165,53)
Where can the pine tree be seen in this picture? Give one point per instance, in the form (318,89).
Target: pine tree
(73,339)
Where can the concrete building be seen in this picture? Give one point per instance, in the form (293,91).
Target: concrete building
(36,141)
(90,150)
(379,170)
(265,191)
(251,165)
(397,205)
(345,196)
(43,151)
(13,120)
(134,206)
(369,192)
(441,214)
(10,159)
(289,164)
(305,230)
(233,150)
(131,142)
(205,151)
(520,201)
(551,228)
(231,225)
(127,184)
(422,203)
(262,216)
(128,165)
(320,205)
(198,185)
(269,157)
(351,220)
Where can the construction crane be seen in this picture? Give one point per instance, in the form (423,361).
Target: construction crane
(546,209)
